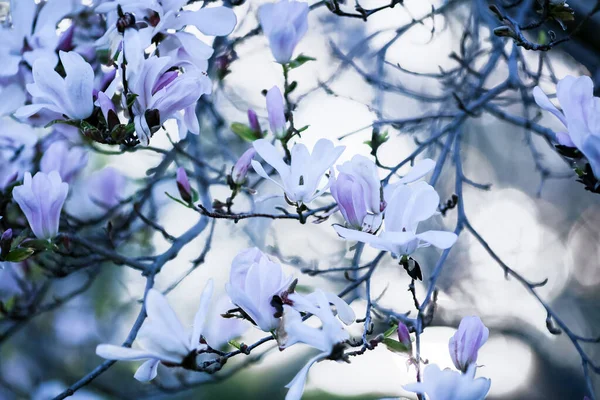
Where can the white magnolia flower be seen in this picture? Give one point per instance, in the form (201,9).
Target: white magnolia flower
(71,96)
(580,110)
(301,180)
(466,342)
(162,338)
(284,23)
(253,281)
(450,385)
(407,206)
(327,338)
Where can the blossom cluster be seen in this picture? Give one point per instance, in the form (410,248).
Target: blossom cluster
(78,79)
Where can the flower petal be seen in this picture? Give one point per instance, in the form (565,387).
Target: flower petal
(147,371)
(201,314)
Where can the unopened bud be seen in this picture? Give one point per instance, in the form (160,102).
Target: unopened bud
(253,121)
(404,335)
(6,242)
(126,20)
(240,169)
(183,184)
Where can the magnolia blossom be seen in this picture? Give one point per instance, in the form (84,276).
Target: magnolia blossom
(32,35)
(162,337)
(276,112)
(284,23)
(105,187)
(579,116)
(466,342)
(71,96)
(407,206)
(450,385)
(240,169)
(253,281)
(67,162)
(168,92)
(41,198)
(301,180)
(167,19)
(327,338)
(357,191)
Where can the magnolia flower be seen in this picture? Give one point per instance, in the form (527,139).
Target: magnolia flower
(67,162)
(450,385)
(284,23)
(408,205)
(466,342)
(167,19)
(301,180)
(276,112)
(32,35)
(357,191)
(240,169)
(579,115)
(106,187)
(162,337)
(41,198)
(166,91)
(71,96)
(253,282)
(327,339)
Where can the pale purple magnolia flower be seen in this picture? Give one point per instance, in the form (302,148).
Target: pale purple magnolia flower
(357,191)
(183,185)
(450,385)
(276,111)
(408,205)
(180,94)
(331,334)
(301,180)
(68,162)
(580,110)
(162,337)
(284,23)
(254,280)
(105,187)
(41,198)
(31,35)
(169,20)
(466,342)
(240,169)
(71,96)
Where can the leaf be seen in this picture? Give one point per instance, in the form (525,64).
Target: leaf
(177,200)
(20,254)
(395,346)
(393,329)
(235,344)
(71,122)
(245,132)
(38,244)
(291,87)
(299,61)
(131,99)
(303,128)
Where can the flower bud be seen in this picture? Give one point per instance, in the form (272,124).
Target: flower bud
(404,335)
(466,342)
(349,195)
(275,109)
(183,184)
(284,23)
(253,121)
(240,169)
(6,242)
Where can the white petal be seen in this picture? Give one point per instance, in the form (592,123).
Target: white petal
(272,156)
(296,386)
(211,21)
(544,102)
(112,352)
(147,371)
(201,314)
(419,170)
(440,239)
(345,312)
(159,310)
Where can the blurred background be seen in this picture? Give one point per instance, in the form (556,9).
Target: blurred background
(550,233)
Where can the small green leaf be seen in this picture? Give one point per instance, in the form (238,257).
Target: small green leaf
(71,122)
(396,346)
(235,344)
(131,99)
(39,244)
(303,128)
(19,254)
(393,329)
(245,132)
(178,201)
(291,87)
(299,61)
